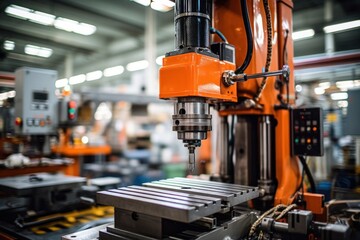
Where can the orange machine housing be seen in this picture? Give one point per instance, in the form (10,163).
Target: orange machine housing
(194,74)
(228,20)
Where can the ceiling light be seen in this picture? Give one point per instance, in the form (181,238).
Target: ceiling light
(139,65)
(319,90)
(17,11)
(9,45)
(324,85)
(95,75)
(70,25)
(11,94)
(339,96)
(30,14)
(159,60)
(61,83)
(77,79)
(167,3)
(49,19)
(85,29)
(113,71)
(342,26)
(41,18)
(342,104)
(3,96)
(38,51)
(143,2)
(6,95)
(308,33)
(65,24)
(345,84)
(159,7)
(298,88)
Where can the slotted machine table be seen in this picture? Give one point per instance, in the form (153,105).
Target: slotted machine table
(177,208)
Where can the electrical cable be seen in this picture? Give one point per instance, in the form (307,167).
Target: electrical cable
(308,173)
(232,147)
(220,34)
(249,38)
(269,48)
(265,214)
(285,62)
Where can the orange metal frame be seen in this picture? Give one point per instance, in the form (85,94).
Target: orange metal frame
(228,20)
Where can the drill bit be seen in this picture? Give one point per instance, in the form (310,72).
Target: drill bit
(191,158)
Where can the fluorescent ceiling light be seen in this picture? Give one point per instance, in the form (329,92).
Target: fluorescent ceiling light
(167,3)
(342,104)
(42,18)
(77,79)
(325,85)
(159,60)
(113,71)
(95,75)
(61,83)
(3,96)
(6,95)
(49,19)
(159,7)
(9,45)
(38,51)
(65,24)
(319,90)
(345,84)
(342,26)
(139,65)
(31,15)
(74,26)
(85,29)
(143,2)
(339,96)
(308,33)
(17,11)
(11,94)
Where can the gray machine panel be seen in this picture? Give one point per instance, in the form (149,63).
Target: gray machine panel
(35,101)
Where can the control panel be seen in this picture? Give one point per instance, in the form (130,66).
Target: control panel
(68,111)
(35,101)
(307,132)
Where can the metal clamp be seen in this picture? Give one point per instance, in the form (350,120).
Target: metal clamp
(230,77)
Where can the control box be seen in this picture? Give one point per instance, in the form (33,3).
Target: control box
(307,132)
(68,111)
(35,101)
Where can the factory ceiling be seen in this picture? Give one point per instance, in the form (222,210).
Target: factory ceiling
(113,33)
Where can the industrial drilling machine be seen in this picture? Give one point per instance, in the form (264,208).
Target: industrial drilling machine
(236,56)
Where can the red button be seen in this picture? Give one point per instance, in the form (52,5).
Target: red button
(72,104)
(18,121)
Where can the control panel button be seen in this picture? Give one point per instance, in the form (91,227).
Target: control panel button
(29,122)
(36,122)
(307,132)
